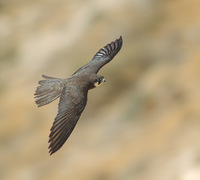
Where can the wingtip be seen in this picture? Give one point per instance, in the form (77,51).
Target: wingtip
(120,41)
(51,151)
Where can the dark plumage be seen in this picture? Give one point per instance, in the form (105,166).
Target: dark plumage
(73,93)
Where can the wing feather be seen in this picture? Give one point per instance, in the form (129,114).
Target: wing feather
(102,57)
(72,103)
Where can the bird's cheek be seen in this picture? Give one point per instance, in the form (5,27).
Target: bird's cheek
(97,84)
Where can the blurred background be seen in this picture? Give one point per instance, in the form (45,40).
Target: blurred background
(143,123)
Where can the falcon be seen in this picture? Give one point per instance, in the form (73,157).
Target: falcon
(73,93)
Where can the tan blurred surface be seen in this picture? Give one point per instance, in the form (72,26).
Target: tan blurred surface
(143,124)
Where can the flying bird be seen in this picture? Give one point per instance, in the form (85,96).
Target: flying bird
(73,92)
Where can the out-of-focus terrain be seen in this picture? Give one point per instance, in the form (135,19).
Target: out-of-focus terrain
(143,123)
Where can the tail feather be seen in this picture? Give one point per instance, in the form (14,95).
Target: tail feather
(49,90)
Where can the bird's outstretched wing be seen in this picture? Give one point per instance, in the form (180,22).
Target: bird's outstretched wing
(72,103)
(102,57)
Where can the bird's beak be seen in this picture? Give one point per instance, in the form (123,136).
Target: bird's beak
(103,80)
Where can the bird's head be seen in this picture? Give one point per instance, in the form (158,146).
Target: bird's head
(97,80)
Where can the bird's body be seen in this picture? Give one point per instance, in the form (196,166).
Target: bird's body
(73,93)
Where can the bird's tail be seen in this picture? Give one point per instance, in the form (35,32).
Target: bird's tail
(48,90)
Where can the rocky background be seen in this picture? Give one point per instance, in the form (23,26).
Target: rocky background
(142,124)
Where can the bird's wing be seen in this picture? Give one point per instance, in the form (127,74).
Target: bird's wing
(102,57)
(72,103)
